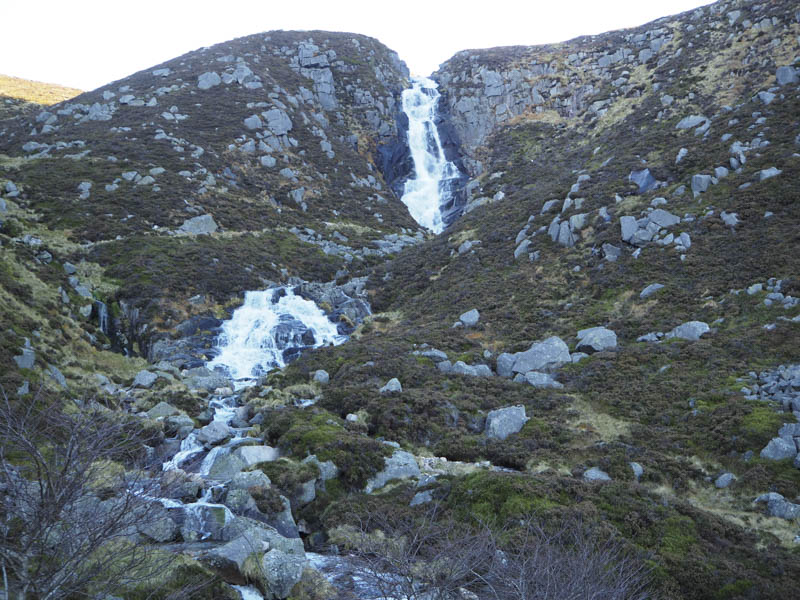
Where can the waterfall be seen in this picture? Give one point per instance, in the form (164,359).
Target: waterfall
(270,329)
(434,175)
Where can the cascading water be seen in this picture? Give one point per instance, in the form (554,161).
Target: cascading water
(270,328)
(435,177)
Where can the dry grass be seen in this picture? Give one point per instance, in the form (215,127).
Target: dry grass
(600,425)
(35,91)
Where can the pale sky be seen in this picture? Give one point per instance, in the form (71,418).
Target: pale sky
(88,43)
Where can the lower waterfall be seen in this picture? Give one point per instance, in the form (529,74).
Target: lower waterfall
(271,328)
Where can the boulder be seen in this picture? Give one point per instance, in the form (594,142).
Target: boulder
(644,179)
(691,121)
(224,465)
(202,225)
(248,479)
(157,525)
(629,227)
(208,80)
(663,218)
(596,339)
(470,318)
(637,469)
(392,386)
(542,356)
(504,422)
(144,379)
(689,331)
(786,76)
(650,290)
(26,359)
(768,173)
(253,122)
(724,480)
(321,376)
(611,253)
(252,455)
(281,572)
(505,364)
(700,183)
(542,380)
(779,449)
(162,410)
(400,465)
(214,433)
(462,368)
(595,475)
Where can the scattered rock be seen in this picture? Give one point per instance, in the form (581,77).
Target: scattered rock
(724,480)
(650,290)
(779,449)
(321,376)
(541,380)
(596,339)
(214,433)
(393,385)
(595,474)
(542,356)
(144,379)
(470,318)
(637,469)
(208,80)
(689,331)
(504,422)
(204,224)
(400,465)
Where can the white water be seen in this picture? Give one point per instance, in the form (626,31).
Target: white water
(425,194)
(254,339)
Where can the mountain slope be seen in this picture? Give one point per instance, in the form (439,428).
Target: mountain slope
(668,154)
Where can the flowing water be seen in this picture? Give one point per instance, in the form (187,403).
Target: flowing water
(434,175)
(270,328)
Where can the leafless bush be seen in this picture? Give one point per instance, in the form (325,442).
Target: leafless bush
(404,556)
(565,561)
(70,513)
(415,556)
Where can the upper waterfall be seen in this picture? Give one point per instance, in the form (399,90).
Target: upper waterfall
(434,175)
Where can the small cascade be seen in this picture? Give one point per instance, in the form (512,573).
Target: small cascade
(270,329)
(102,316)
(435,178)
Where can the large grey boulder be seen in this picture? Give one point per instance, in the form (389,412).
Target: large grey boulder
(629,226)
(278,122)
(204,224)
(691,121)
(644,179)
(144,379)
(596,339)
(542,356)
(779,449)
(162,410)
(504,422)
(321,376)
(282,571)
(157,525)
(768,173)
(691,331)
(786,76)
(214,433)
(596,475)
(470,318)
(400,465)
(392,386)
(462,368)
(26,359)
(252,455)
(700,183)
(208,80)
(663,218)
(248,479)
(225,466)
(505,364)
(253,122)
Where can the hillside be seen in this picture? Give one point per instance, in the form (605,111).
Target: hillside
(628,249)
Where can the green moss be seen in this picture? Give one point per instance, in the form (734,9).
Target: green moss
(679,535)
(734,590)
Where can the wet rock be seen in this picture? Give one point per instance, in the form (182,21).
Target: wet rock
(504,422)
(282,571)
(214,433)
